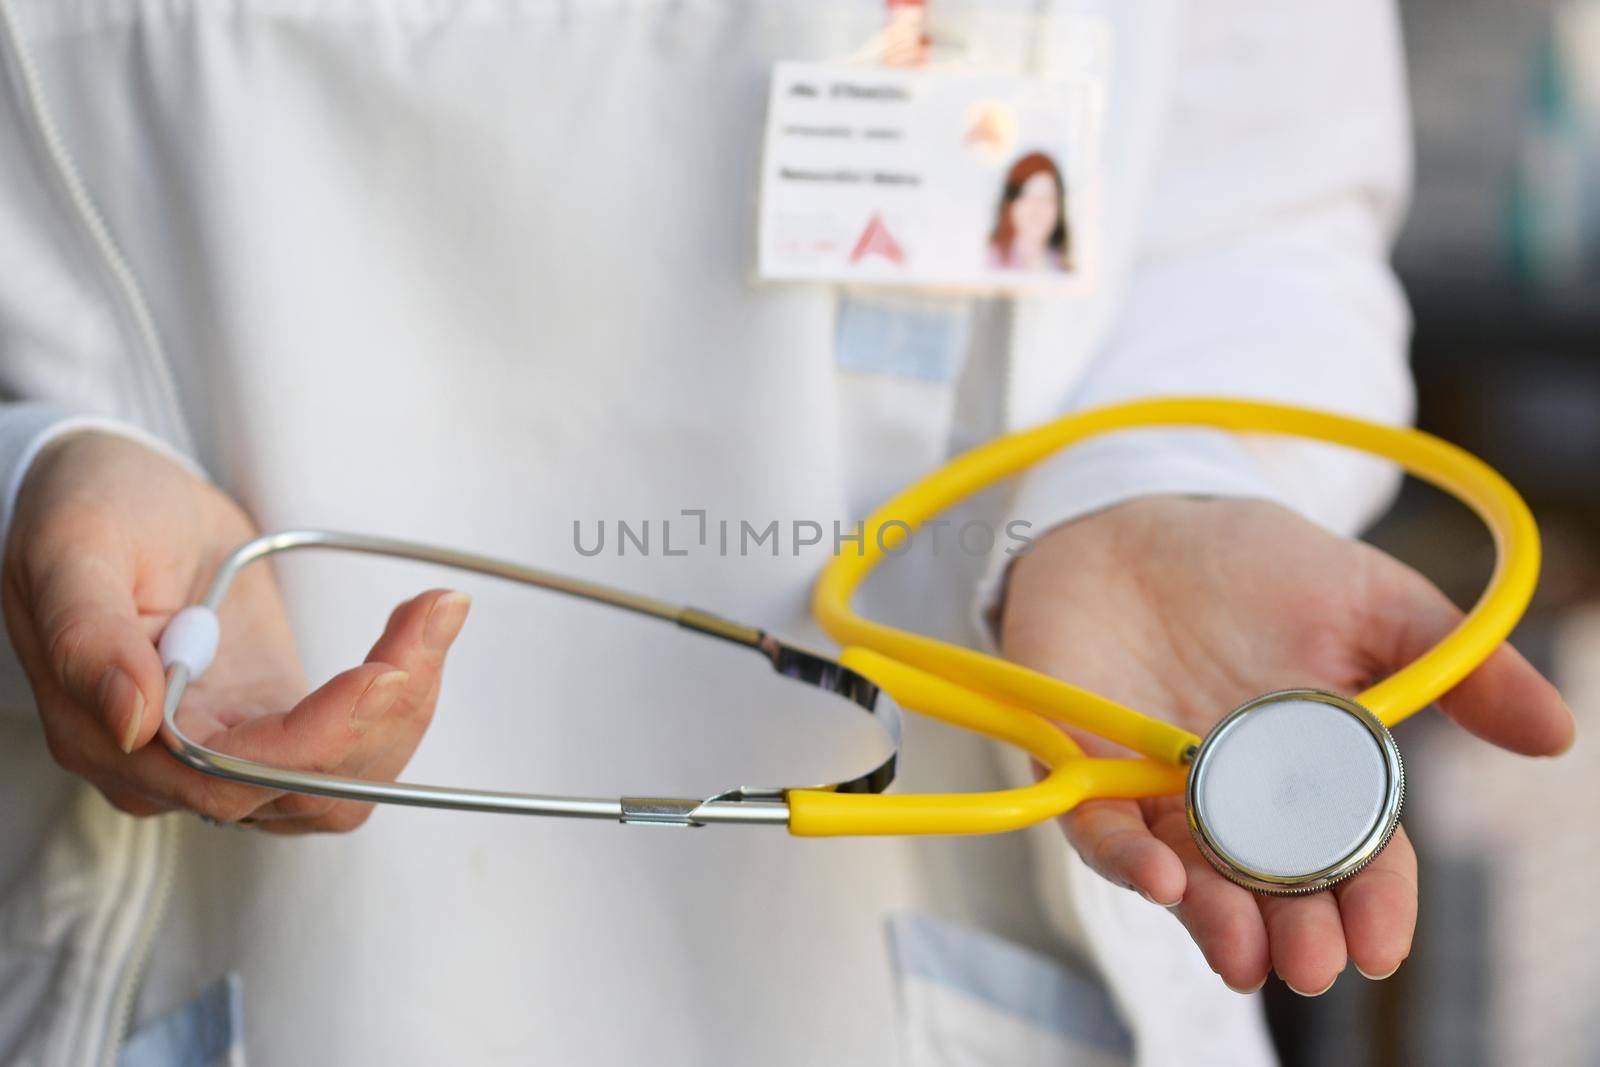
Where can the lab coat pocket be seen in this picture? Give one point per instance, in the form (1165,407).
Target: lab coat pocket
(968,998)
(897,358)
(208,1031)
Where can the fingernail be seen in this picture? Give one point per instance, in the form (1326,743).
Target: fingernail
(117,689)
(1378,977)
(445,619)
(1158,903)
(1246,992)
(380,693)
(1318,993)
(1573,740)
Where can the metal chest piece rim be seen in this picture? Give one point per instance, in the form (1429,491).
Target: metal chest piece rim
(1204,824)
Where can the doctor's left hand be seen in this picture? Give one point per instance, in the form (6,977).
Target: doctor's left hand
(1187,608)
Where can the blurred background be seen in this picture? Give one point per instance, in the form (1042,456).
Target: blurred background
(1501,257)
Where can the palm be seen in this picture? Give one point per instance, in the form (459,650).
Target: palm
(256,674)
(1186,609)
(191,529)
(242,705)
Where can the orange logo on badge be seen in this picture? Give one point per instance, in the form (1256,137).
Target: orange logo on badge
(876,240)
(991,130)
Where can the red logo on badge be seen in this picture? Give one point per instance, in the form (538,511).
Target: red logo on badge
(876,240)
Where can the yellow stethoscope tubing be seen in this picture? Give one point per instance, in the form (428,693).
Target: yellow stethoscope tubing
(1418,684)
(1070,778)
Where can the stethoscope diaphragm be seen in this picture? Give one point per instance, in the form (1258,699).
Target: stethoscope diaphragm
(1294,791)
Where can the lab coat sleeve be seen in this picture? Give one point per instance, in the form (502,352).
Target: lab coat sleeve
(72,355)
(27,427)
(71,358)
(1260,270)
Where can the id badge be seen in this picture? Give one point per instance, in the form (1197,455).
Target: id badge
(955,179)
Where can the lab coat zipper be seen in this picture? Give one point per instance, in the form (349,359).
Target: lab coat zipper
(159,382)
(120,1018)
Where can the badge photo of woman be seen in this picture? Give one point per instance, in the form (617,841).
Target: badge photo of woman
(1030,228)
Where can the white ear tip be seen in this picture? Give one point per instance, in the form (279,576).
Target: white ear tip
(191,639)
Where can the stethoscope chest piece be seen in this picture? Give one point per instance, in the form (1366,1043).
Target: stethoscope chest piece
(1295,791)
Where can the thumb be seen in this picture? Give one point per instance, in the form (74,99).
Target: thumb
(320,731)
(1505,701)
(92,643)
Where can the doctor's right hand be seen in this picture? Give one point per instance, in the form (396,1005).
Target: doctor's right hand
(108,541)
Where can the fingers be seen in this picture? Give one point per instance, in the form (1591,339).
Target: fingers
(1509,703)
(1222,917)
(1307,940)
(144,783)
(315,735)
(318,733)
(1113,839)
(130,802)
(1505,701)
(417,637)
(91,640)
(1379,909)
(1369,919)
(366,719)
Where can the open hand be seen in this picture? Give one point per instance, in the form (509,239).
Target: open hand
(111,539)
(1186,608)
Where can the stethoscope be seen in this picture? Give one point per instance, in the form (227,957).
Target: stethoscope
(1288,793)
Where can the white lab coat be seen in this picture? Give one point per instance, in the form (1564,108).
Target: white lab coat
(468,271)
